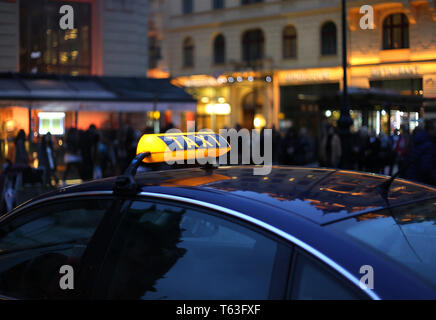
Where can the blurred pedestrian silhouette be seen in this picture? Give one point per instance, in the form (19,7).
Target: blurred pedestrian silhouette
(304,148)
(288,147)
(21,156)
(372,153)
(420,161)
(330,149)
(47,160)
(72,157)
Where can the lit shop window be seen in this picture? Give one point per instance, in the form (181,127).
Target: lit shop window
(45,47)
(53,122)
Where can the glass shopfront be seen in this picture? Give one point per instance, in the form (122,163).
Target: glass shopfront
(301,106)
(405,118)
(411,86)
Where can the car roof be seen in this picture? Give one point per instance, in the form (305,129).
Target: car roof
(320,195)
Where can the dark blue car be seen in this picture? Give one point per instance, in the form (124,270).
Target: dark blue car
(224,233)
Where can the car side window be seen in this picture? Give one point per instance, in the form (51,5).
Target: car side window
(171,252)
(35,244)
(313,281)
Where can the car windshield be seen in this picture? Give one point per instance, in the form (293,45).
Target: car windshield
(406,234)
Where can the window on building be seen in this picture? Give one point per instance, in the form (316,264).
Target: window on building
(243,2)
(289,42)
(188,52)
(328,39)
(253,43)
(46,48)
(396,32)
(219,49)
(53,122)
(188,6)
(412,86)
(218,4)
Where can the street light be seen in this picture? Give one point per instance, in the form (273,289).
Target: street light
(345,120)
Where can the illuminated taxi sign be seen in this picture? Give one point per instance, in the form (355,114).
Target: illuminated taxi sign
(182,146)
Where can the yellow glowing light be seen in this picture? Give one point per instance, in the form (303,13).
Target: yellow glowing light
(182,146)
(205,100)
(219,109)
(221,100)
(10,125)
(157,74)
(64,57)
(259,121)
(156,115)
(70,34)
(364,60)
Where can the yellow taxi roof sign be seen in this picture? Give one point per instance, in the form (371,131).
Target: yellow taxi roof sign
(182,146)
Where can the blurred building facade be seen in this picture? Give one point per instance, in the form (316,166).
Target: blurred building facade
(109,37)
(107,51)
(157,64)
(272,62)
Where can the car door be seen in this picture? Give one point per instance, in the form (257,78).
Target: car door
(35,242)
(169,250)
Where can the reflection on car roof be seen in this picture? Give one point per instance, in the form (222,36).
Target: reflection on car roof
(320,195)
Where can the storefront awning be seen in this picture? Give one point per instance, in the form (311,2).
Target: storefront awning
(91,93)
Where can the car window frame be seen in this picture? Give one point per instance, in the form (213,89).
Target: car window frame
(288,238)
(281,265)
(90,257)
(299,252)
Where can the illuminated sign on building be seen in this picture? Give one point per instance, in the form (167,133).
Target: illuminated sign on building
(395,71)
(314,75)
(199,81)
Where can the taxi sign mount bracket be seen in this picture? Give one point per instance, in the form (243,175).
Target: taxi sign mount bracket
(126,184)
